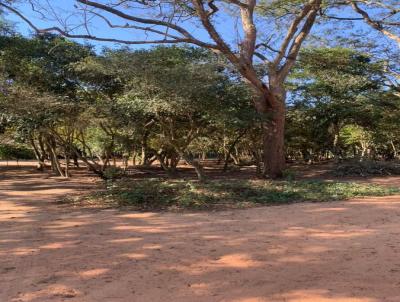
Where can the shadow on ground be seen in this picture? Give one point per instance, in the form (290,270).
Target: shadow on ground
(339,251)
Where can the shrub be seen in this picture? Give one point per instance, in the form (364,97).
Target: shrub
(9,152)
(289,174)
(113,173)
(368,167)
(163,194)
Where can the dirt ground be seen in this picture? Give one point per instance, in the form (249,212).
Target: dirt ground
(338,251)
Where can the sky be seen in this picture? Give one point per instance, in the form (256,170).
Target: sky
(98,27)
(226,25)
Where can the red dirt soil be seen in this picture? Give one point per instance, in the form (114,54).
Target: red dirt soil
(320,252)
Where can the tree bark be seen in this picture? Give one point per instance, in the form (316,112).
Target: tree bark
(134,158)
(57,166)
(40,157)
(144,159)
(75,159)
(271,107)
(67,160)
(395,153)
(273,144)
(94,167)
(335,143)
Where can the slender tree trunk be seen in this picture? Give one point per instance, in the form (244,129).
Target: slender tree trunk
(364,151)
(125,162)
(230,150)
(395,153)
(57,166)
(336,140)
(235,158)
(336,148)
(162,160)
(144,160)
(75,158)
(174,160)
(92,166)
(196,165)
(134,158)
(168,164)
(38,155)
(67,160)
(106,162)
(42,148)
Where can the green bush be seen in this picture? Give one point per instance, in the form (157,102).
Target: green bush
(12,152)
(289,174)
(163,194)
(113,173)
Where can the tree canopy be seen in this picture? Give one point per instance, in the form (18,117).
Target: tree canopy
(260,82)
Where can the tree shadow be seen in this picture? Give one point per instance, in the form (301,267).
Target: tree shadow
(339,251)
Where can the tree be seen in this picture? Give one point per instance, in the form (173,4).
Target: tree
(39,92)
(169,98)
(168,27)
(339,87)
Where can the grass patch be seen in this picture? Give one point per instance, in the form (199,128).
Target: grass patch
(180,194)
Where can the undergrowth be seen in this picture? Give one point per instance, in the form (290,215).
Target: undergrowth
(366,168)
(182,194)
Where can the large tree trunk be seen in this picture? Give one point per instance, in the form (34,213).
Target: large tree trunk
(274,145)
(272,108)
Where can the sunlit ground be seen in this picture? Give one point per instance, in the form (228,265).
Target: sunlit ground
(337,251)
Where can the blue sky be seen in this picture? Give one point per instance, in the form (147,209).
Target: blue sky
(99,27)
(225,24)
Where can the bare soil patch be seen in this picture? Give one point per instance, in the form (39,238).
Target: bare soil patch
(336,251)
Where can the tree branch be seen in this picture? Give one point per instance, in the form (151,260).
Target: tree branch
(375,24)
(173,39)
(299,39)
(292,32)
